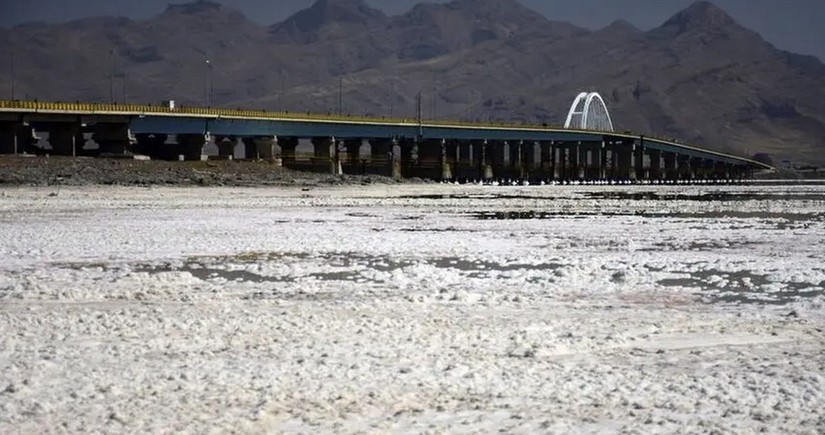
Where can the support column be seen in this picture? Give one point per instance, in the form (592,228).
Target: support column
(288,146)
(153,145)
(555,160)
(480,155)
(639,161)
(671,172)
(465,169)
(580,170)
(226,147)
(546,159)
(260,147)
(191,146)
(8,137)
(603,160)
(395,159)
(683,163)
(446,160)
(325,156)
(381,157)
(561,160)
(66,139)
(625,169)
(497,156)
(352,162)
(113,138)
(530,162)
(516,159)
(655,164)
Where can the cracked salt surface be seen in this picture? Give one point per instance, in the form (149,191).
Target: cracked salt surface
(413,309)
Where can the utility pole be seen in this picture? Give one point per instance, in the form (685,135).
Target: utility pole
(435,96)
(124,87)
(112,76)
(281,94)
(13,75)
(392,98)
(341,96)
(211,83)
(420,121)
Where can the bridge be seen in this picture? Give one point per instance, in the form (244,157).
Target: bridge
(585,148)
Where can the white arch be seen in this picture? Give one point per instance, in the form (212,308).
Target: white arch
(589,112)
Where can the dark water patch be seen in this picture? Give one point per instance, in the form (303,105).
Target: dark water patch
(700,246)
(356,268)
(744,287)
(541,215)
(492,196)
(704,197)
(791,220)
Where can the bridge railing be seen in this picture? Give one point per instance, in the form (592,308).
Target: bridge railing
(148,109)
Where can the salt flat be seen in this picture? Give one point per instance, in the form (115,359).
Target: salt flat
(413,309)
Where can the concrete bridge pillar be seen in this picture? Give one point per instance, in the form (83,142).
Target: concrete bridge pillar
(250,151)
(410,157)
(431,158)
(625,169)
(226,147)
(352,162)
(288,146)
(655,164)
(325,155)
(381,157)
(447,159)
(260,147)
(683,165)
(558,160)
(450,158)
(395,159)
(516,159)
(532,156)
(671,172)
(498,156)
(66,139)
(191,146)
(603,160)
(573,166)
(9,132)
(154,145)
(113,138)
(545,160)
(480,155)
(639,169)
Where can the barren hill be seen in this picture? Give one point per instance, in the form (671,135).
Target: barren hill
(700,77)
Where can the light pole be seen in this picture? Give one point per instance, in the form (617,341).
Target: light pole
(341,96)
(211,98)
(392,98)
(435,96)
(112,76)
(13,75)
(281,94)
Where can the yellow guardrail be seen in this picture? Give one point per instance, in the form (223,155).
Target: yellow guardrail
(142,109)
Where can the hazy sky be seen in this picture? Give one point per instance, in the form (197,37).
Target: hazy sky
(795,25)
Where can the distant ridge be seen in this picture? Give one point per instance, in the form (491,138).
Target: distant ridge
(699,77)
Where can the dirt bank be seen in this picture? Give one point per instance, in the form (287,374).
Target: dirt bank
(42,171)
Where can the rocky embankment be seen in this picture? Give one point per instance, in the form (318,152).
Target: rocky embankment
(46,171)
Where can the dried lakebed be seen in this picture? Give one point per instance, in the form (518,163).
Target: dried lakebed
(378,309)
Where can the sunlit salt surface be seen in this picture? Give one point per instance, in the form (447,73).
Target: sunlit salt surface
(459,309)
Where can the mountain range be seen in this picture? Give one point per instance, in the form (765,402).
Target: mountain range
(700,77)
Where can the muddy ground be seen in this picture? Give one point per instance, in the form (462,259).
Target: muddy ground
(81,171)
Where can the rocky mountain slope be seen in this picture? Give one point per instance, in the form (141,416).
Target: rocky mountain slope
(700,77)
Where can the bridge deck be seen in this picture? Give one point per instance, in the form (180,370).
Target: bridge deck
(236,122)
